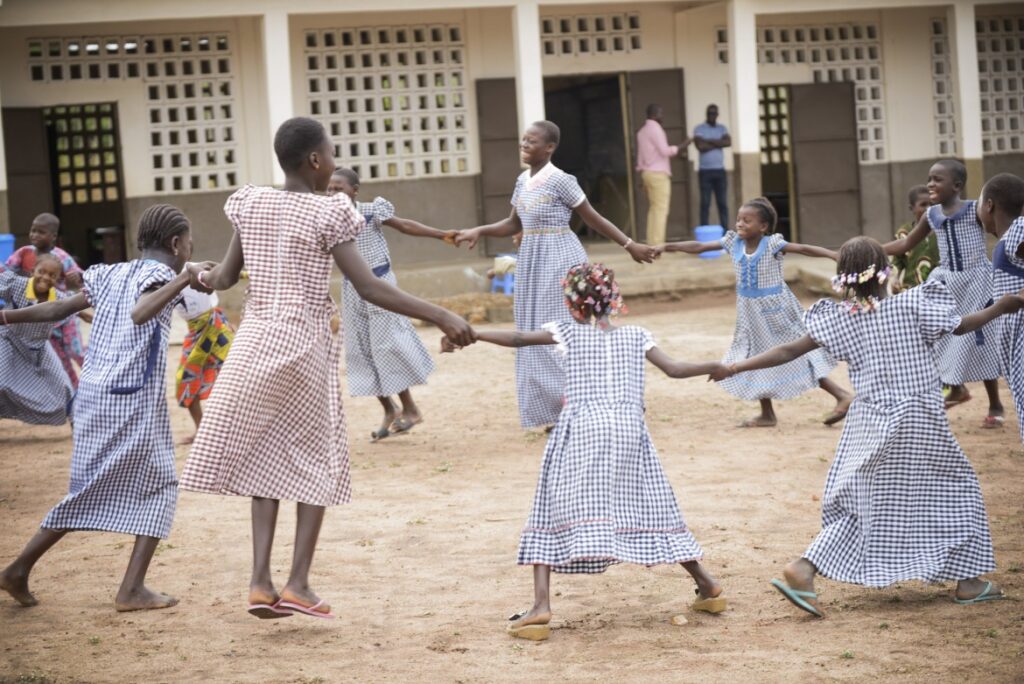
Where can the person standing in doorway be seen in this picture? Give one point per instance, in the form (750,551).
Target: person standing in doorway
(710,137)
(654,162)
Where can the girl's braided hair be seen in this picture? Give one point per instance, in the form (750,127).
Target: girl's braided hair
(765,211)
(158,224)
(591,292)
(861,272)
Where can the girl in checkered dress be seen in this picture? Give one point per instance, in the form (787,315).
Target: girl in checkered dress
(274,427)
(901,500)
(768,314)
(43,236)
(122,463)
(543,202)
(1001,211)
(967,272)
(602,497)
(383,353)
(33,385)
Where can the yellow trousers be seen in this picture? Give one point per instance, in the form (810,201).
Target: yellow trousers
(658,186)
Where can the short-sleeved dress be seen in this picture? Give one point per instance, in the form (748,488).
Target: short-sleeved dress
(1008,278)
(768,314)
(33,385)
(65,338)
(383,353)
(901,500)
(122,462)
(602,496)
(273,426)
(544,203)
(965,269)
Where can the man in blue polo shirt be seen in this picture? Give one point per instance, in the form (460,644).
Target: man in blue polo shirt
(710,138)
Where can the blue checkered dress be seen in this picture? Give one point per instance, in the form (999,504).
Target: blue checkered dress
(965,269)
(901,500)
(767,314)
(383,353)
(34,388)
(603,497)
(122,462)
(548,250)
(1008,278)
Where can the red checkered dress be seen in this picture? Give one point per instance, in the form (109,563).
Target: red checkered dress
(274,425)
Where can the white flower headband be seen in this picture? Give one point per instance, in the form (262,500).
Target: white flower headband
(844,282)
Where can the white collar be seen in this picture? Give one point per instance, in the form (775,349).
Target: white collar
(538,179)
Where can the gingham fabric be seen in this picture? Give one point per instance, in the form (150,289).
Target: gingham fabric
(965,269)
(122,459)
(383,353)
(549,248)
(273,426)
(1008,278)
(603,497)
(65,338)
(901,500)
(33,385)
(767,315)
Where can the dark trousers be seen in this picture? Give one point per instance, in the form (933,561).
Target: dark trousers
(713,180)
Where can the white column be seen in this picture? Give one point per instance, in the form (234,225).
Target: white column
(744,112)
(960,18)
(3,170)
(277,65)
(746,134)
(529,75)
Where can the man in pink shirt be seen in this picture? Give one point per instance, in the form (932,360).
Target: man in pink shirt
(653,161)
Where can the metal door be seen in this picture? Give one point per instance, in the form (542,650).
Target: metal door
(499,153)
(826,171)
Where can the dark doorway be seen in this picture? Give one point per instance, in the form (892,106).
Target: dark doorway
(589,110)
(776,170)
(27,156)
(87,188)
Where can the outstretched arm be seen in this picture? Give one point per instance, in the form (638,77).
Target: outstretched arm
(1006,304)
(49,311)
(387,296)
(690,246)
(415,228)
(784,353)
(220,276)
(641,253)
(153,301)
(505,338)
(678,369)
(506,227)
(810,250)
(905,244)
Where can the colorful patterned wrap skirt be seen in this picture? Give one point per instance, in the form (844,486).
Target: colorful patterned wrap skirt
(202,354)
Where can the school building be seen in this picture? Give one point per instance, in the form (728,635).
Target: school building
(835,107)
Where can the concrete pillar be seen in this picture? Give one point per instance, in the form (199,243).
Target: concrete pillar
(529,74)
(5,220)
(744,112)
(964,49)
(277,65)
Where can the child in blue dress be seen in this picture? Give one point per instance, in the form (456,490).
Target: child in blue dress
(602,497)
(33,385)
(122,464)
(966,270)
(1001,211)
(383,354)
(901,500)
(543,202)
(768,313)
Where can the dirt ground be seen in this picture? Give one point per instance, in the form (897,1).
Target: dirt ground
(421,566)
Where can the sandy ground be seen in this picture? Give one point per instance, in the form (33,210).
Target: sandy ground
(421,569)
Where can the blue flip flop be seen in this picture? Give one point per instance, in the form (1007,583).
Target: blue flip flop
(797,597)
(985,595)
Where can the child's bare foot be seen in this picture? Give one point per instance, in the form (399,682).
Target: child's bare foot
(306,600)
(840,411)
(958,394)
(759,421)
(16,584)
(142,599)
